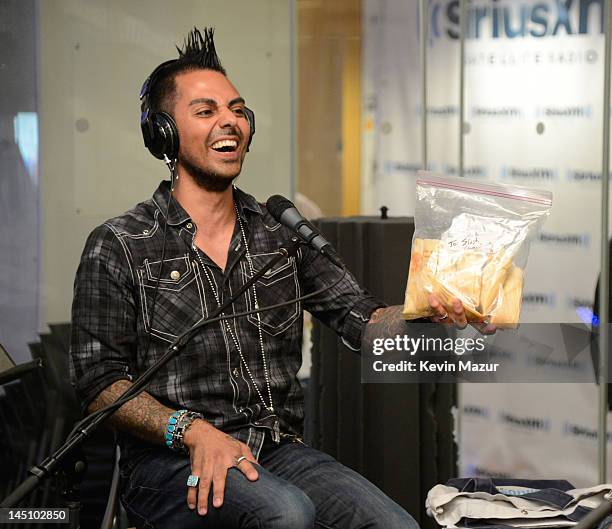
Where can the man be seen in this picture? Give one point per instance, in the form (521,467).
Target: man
(215,439)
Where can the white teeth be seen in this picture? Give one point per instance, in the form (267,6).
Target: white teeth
(224,143)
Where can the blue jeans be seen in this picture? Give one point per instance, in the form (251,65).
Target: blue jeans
(298,488)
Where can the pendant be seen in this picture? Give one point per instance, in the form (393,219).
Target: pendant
(276,431)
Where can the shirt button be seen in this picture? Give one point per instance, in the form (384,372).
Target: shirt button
(175,274)
(235,372)
(190,225)
(145,232)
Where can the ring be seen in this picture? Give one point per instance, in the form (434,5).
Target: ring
(240,459)
(192,481)
(442,318)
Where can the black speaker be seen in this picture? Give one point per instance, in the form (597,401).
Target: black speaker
(399,436)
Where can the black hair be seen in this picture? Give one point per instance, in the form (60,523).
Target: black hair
(198,53)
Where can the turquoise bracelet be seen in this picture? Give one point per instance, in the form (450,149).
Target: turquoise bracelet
(171,428)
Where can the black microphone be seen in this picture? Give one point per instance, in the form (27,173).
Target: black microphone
(283,210)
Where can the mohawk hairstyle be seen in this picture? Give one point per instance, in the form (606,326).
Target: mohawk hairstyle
(201,50)
(198,53)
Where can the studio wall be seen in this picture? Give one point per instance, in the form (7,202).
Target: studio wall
(94,56)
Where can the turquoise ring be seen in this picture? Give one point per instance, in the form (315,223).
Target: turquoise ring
(192,481)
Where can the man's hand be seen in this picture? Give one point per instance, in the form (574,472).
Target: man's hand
(212,453)
(457,316)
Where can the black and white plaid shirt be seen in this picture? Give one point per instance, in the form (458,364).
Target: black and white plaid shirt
(112,316)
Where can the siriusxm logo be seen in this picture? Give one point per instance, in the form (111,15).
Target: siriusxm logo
(554,363)
(565,112)
(512,19)
(582,176)
(538,298)
(565,239)
(443,111)
(528,423)
(530,173)
(496,112)
(577,430)
(576,303)
(476,411)
(391,166)
(474,171)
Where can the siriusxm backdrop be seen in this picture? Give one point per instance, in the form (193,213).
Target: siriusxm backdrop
(533,116)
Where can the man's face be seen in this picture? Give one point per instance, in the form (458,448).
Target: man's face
(213,129)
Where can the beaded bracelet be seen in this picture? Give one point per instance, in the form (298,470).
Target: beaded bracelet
(171,427)
(178,423)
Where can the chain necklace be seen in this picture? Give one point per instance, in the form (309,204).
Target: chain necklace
(270,407)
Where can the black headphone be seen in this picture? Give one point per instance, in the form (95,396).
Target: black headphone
(159,129)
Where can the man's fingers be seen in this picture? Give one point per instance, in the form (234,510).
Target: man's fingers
(247,467)
(219,485)
(192,492)
(192,497)
(204,491)
(485,328)
(459,314)
(246,452)
(439,310)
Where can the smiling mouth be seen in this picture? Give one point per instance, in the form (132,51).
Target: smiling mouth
(225,146)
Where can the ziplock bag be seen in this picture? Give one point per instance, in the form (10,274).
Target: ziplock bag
(471,242)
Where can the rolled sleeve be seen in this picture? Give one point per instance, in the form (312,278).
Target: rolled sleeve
(346,307)
(103,317)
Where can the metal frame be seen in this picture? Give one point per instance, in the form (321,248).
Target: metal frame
(423,29)
(604,280)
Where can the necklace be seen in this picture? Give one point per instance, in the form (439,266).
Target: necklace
(270,406)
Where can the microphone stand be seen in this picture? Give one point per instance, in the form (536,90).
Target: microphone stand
(73,466)
(19,371)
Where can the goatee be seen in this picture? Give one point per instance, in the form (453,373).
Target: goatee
(207,180)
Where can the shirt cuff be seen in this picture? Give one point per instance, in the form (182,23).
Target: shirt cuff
(356,320)
(91,385)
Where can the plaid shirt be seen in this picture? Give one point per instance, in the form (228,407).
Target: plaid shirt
(112,316)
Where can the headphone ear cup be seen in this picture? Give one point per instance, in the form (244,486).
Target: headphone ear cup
(250,116)
(161,136)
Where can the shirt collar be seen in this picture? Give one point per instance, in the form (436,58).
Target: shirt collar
(177,215)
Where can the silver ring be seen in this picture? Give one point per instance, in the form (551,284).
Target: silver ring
(192,481)
(442,318)
(240,459)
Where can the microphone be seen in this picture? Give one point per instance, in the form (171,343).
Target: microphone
(283,211)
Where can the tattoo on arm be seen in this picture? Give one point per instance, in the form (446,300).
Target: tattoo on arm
(384,323)
(388,320)
(143,416)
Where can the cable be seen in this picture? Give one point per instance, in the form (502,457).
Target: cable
(122,400)
(172,167)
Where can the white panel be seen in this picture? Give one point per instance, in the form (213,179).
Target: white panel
(534,94)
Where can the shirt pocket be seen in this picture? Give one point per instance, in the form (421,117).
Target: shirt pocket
(277,285)
(179,299)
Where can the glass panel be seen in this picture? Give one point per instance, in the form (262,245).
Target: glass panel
(19,196)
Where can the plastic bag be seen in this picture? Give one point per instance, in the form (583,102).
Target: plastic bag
(471,242)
